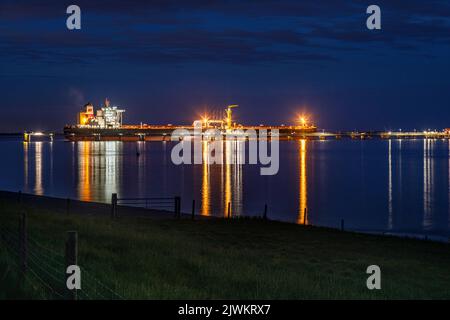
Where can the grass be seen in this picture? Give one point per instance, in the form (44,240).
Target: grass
(144,258)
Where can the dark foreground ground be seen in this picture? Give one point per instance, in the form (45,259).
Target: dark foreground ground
(135,257)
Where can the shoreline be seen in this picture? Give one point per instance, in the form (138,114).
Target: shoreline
(61,205)
(79,207)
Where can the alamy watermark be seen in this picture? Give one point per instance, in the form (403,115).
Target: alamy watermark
(215,146)
(73,21)
(374,280)
(373,22)
(73,281)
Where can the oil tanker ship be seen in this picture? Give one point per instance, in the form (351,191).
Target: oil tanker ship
(106,124)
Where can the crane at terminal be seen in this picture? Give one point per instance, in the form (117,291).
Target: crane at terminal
(228,117)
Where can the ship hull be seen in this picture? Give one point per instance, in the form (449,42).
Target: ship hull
(160,133)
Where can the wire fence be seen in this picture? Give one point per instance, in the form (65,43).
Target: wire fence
(166,204)
(162,203)
(44,269)
(231,210)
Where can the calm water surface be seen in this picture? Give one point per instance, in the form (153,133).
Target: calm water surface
(374,185)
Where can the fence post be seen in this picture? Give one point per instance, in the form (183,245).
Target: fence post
(265,212)
(71,258)
(193,209)
(23,245)
(229,210)
(19,196)
(177,208)
(342,224)
(68,205)
(175,204)
(113,205)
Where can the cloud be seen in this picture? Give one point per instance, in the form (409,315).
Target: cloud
(165,31)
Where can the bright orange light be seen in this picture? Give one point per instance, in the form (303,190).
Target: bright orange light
(205,119)
(83,118)
(303,120)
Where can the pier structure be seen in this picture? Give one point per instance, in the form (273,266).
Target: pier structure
(29,136)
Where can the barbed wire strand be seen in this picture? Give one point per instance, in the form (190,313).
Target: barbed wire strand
(39,263)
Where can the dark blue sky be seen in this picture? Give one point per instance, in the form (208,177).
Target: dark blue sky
(167,61)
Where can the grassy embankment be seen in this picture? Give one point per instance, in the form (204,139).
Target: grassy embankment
(239,259)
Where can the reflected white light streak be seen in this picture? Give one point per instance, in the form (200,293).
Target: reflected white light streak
(112,160)
(141,167)
(25,165)
(427,181)
(38,188)
(390,209)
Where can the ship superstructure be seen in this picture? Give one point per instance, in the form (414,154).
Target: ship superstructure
(107,117)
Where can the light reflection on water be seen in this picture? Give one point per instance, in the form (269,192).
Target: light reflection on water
(205,180)
(99,169)
(228,175)
(398,185)
(303,188)
(389,226)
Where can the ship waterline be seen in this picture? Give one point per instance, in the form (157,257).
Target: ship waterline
(165,133)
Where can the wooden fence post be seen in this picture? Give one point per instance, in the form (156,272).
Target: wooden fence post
(175,204)
(23,245)
(342,224)
(265,212)
(19,196)
(113,205)
(71,258)
(177,207)
(229,210)
(193,209)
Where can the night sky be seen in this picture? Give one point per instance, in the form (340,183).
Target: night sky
(169,61)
